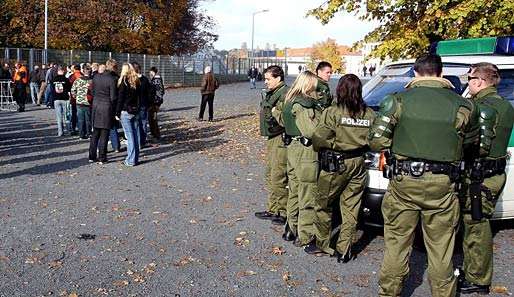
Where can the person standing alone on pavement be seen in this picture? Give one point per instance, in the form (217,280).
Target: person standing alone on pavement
(252,75)
(276,163)
(208,89)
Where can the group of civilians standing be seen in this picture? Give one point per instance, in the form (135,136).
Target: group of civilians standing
(92,100)
(131,99)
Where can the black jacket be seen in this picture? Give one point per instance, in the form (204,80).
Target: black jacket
(34,76)
(128,98)
(145,91)
(61,88)
(104,100)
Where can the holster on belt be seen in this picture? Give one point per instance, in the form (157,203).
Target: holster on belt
(287,139)
(330,161)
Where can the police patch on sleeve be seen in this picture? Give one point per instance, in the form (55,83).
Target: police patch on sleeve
(355,122)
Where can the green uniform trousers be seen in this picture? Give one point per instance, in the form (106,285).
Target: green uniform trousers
(307,173)
(433,199)
(478,238)
(347,186)
(293,156)
(276,176)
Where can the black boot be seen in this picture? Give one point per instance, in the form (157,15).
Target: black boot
(312,249)
(343,258)
(265,215)
(466,287)
(278,220)
(288,234)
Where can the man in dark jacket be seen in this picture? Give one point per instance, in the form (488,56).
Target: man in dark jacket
(104,102)
(157,99)
(5,72)
(252,75)
(208,89)
(111,67)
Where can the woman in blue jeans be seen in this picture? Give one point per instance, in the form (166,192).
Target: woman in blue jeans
(127,111)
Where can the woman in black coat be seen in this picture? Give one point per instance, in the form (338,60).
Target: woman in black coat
(102,115)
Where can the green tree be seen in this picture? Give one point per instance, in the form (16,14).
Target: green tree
(141,26)
(407,28)
(326,51)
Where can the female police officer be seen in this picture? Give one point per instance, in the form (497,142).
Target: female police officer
(341,139)
(300,115)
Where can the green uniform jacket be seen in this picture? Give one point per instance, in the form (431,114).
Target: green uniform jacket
(405,137)
(323,92)
(504,120)
(269,126)
(338,131)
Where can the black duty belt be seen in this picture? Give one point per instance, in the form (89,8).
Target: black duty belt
(333,161)
(417,168)
(494,167)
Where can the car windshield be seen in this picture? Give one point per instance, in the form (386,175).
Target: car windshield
(506,87)
(394,78)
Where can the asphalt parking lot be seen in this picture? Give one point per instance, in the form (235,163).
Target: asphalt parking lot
(179,224)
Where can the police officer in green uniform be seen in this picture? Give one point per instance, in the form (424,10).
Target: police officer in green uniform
(341,140)
(276,164)
(487,178)
(300,115)
(324,72)
(425,128)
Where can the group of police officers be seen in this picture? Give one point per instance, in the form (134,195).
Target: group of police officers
(446,159)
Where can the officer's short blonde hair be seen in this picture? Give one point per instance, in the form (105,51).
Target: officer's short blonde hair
(488,72)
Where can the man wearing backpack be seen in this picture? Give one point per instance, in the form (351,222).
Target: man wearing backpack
(60,89)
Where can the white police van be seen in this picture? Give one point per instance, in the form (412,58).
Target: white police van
(457,56)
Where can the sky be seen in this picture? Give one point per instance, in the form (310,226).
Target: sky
(284,25)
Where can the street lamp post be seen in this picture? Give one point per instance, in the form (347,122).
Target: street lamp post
(46,31)
(253,30)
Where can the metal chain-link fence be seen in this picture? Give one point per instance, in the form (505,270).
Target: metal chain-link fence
(176,71)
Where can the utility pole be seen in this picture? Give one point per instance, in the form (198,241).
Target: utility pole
(253,31)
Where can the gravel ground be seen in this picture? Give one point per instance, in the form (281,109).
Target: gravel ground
(179,224)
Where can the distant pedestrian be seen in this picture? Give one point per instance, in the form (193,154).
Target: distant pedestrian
(61,88)
(300,69)
(21,79)
(42,84)
(158,98)
(50,74)
(252,75)
(364,70)
(208,89)
(371,70)
(127,111)
(102,114)
(76,74)
(34,84)
(81,91)
(5,72)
